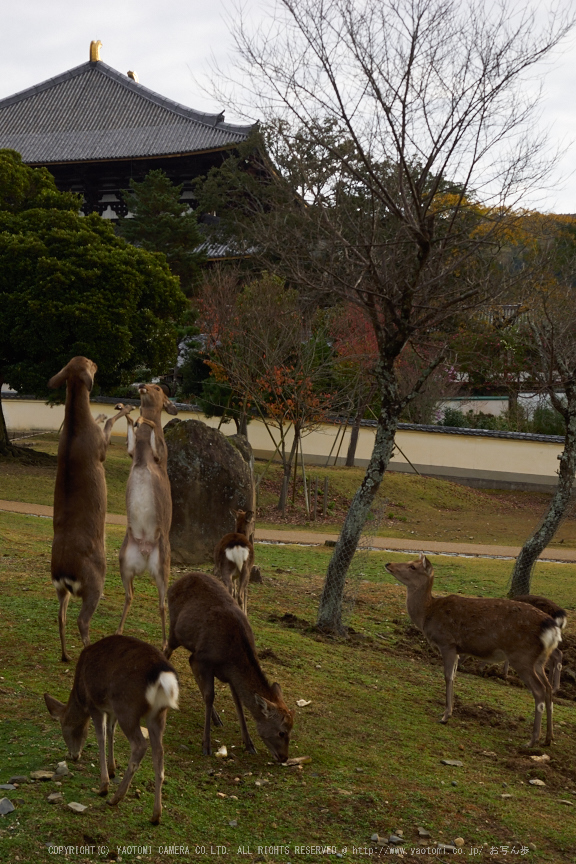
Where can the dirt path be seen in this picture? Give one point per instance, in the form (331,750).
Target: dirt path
(392,544)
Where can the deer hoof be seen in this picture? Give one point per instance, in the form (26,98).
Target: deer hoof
(155,820)
(103,791)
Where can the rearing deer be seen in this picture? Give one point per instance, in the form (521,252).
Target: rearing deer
(78,554)
(234,557)
(492,629)
(148,502)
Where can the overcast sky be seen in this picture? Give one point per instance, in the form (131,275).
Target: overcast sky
(169,44)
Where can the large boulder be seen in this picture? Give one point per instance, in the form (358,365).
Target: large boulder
(210,475)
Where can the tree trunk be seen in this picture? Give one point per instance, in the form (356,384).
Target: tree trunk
(536,544)
(5,447)
(351,454)
(287,471)
(330,608)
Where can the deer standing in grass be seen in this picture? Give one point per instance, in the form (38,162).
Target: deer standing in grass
(119,680)
(234,557)
(78,553)
(148,502)
(206,621)
(559,615)
(491,629)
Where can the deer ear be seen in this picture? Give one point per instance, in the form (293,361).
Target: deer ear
(87,379)
(169,407)
(249,515)
(277,690)
(59,379)
(426,564)
(56,708)
(263,704)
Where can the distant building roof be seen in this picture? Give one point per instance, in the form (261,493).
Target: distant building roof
(93,112)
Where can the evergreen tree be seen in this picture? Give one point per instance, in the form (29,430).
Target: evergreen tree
(158,222)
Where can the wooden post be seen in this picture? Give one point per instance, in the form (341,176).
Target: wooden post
(325,507)
(315,509)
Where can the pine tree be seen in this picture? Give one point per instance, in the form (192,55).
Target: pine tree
(159,222)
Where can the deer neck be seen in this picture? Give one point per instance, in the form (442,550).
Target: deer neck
(77,403)
(249,681)
(418,600)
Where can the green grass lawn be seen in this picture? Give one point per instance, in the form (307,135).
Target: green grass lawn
(371,729)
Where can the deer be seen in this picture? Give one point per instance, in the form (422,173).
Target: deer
(119,680)
(208,622)
(234,557)
(78,564)
(489,628)
(146,544)
(559,615)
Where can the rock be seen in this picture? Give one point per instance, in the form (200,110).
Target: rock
(455,763)
(222,752)
(489,753)
(185,748)
(19,779)
(210,475)
(6,806)
(261,782)
(459,842)
(76,807)
(233,823)
(395,839)
(565,801)
(422,832)
(506,795)
(374,838)
(344,792)
(41,775)
(302,703)
(454,783)
(446,847)
(55,797)
(543,758)
(295,761)
(61,770)
(8,787)
(537,782)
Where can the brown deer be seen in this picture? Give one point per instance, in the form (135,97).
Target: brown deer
(119,680)
(148,502)
(491,629)
(559,615)
(206,621)
(234,557)
(78,553)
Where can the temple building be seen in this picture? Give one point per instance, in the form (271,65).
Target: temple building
(95,128)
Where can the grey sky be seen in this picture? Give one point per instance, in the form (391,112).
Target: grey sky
(169,44)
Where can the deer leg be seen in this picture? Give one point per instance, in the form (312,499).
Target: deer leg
(99,720)
(138,746)
(450,658)
(64,599)
(159,567)
(156,726)
(132,562)
(555,663)
(110,729)
(505,669)
(243,588)
(248,743)
(123,412)
(205,682)
(540,688)
(90,599)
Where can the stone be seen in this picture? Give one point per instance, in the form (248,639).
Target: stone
(42,775)
(446,847)
(375,838)
(455,763)
(222,752)
(6,806)
(233,823)
(395,839)
(543,758)
(256,575)
(459,842)
(19,779)
(76,807)
(8,787)
(565,801)
(423,832)
(55,797)
(61,770)
(506,795)
(537,782)
(210,475)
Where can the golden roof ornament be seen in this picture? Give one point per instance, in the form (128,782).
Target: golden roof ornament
(95,51)
(133,76)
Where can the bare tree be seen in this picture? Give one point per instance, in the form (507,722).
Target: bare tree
(399,137)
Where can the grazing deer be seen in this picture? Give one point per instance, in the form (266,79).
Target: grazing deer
(491,629)
(148,502)
(78,553)
(234,557)
(206,621)
(559,615)
(119,680)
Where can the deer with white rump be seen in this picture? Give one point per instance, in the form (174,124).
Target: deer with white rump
(491,629)
(234,557)
(119,680)
(206,621)
(78,555)
(559,615)
(148,502)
